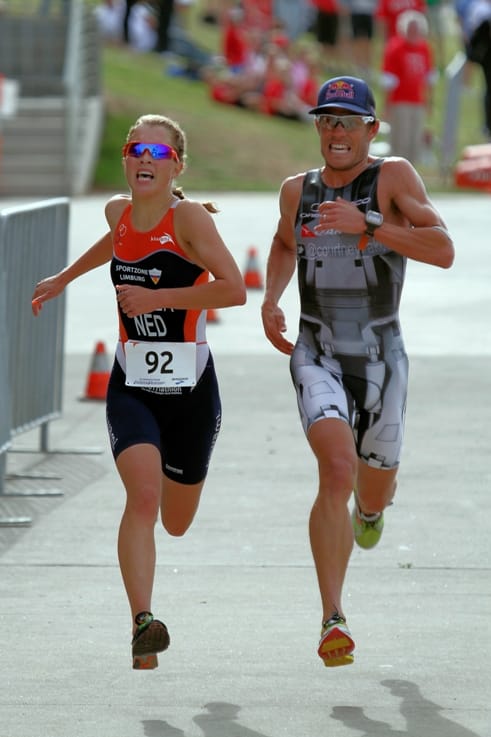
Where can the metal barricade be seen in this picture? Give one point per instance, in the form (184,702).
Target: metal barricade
(33,244)
(454,74)
(5,415)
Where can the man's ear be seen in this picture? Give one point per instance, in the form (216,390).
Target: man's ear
(374,129)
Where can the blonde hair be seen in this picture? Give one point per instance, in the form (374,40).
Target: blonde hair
(179,142)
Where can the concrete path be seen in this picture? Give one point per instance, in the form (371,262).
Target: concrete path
(238,592)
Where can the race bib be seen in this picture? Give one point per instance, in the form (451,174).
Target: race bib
(160,364)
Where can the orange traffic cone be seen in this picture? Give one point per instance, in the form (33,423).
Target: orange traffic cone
(252,276)
(212,315)
(98,378)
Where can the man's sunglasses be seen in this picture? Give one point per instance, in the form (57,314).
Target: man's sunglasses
(348,122)
(156,150)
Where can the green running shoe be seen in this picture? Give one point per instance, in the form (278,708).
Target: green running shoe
(151,637)
(367,527)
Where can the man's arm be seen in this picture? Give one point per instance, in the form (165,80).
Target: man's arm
(281,265)
(412,225)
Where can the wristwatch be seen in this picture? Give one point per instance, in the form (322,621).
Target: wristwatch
(373,220)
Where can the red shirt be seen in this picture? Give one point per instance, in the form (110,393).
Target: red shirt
(389,11)
(235,46)
(325,6)
(412,64)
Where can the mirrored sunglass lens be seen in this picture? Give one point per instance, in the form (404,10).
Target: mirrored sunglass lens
(157,150)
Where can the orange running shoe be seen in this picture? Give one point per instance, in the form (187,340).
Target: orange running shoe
(336,645)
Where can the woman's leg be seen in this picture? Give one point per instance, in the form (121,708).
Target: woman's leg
(141,472)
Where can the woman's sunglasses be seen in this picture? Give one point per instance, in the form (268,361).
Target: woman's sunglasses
(156,150)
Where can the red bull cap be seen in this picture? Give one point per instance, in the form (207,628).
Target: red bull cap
(350,93)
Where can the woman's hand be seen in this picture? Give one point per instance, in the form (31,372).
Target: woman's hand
(136,301)
(47,289)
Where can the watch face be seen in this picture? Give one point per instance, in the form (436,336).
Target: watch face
(374,218)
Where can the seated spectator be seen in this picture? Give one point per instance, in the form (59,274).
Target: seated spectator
(143,27)
(237,87)
(195,59)
(278,95)
(235,44)
(305,68)
(109,15)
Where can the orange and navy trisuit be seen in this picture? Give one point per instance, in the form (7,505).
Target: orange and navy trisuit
(183,422)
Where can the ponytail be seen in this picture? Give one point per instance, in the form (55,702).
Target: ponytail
(210,206)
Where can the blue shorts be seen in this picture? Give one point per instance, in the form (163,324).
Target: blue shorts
(184,427)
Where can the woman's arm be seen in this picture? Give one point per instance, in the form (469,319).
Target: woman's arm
(97,255)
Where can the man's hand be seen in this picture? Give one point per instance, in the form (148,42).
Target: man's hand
(340,215)
(274,325)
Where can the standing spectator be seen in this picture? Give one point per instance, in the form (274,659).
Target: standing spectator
(165,15)
(129,5)
(475,20)
(362,22)
(436,30)
(294,15)
(326,28)
(408,74)
(388,11)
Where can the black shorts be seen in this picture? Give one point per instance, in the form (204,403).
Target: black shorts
(184,427)
(361,25)
(327,28)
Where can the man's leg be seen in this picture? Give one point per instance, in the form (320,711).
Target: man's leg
(331,533)
(374,491)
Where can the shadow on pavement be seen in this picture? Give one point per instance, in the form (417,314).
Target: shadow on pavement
(423,718)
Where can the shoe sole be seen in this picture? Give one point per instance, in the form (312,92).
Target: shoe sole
(335,662)
(336,649)
(154,639)
(145,662)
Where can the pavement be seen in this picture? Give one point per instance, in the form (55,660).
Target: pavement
(238,592)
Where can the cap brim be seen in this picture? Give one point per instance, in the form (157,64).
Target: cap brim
(343,105)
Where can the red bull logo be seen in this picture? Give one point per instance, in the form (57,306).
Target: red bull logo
(339,90)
